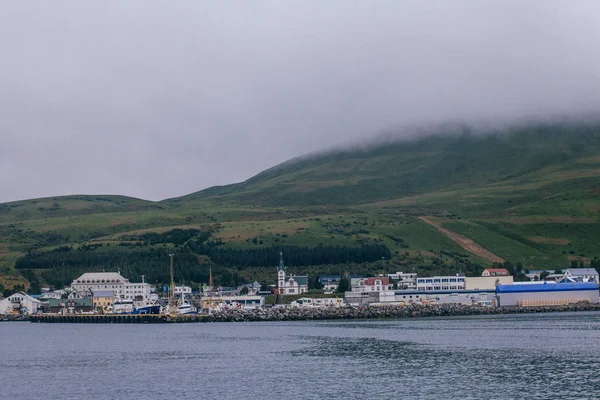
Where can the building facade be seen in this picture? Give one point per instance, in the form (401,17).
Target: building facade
(495,272)
(441,283)
(91,282)
(486,282)
(545,294)
(103,300)
(375,284)
(582,275)
(289,284)
(19,303)
(330,282)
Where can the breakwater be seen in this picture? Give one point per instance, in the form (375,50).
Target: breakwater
(315,313)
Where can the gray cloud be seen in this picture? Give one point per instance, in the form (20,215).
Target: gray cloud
(159,99)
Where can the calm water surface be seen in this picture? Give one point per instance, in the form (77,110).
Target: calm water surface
(544,356)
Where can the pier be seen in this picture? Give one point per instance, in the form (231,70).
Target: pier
(118,319)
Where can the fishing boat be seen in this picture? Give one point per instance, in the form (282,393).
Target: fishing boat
(123,306)
(185,308)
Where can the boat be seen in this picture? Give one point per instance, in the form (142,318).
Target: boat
(123,306)
(185,308)
(148,309)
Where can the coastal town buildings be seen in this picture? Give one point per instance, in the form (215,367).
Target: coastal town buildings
(405,281)
(90,282)
(289,284)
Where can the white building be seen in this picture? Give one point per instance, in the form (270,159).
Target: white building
(290,284)
(91,282)
(441,283)
(582,275)
(318,302)
(182,290)
(19,303)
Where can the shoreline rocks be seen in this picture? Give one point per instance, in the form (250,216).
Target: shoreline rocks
(310,314)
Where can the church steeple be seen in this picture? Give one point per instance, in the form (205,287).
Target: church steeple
(281,264)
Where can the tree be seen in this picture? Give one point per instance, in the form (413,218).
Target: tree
(315,283)
(595,263)
(244,290)
(543,275)
(344,285)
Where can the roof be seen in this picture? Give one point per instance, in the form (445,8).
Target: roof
(100,277)
(544,287)
(104,293)
(371,281)
(300,280)
(582,271)
(503,270)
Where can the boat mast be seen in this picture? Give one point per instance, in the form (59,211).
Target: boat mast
(172,292)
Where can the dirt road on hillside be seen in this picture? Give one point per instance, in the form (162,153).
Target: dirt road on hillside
(465,242)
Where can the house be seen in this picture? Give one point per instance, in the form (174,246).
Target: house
(375,284)
(495,272)
(20,303)
(318,302)
(103,300)
(442,283)
(179,290)
(330,282)
(289,284)
(582,275)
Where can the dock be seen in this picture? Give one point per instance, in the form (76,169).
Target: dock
(117,319)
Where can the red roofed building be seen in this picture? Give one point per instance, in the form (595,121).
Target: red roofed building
(495,272)
(376,284)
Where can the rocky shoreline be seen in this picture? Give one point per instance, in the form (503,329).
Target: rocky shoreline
(382,312)
(312,314)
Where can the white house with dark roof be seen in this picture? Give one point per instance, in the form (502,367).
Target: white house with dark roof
(581,275)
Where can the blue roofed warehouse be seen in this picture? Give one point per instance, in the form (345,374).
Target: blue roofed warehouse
(546,294)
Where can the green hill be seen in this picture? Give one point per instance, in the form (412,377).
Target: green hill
(529,195)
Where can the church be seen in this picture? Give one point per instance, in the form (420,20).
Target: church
(289,284)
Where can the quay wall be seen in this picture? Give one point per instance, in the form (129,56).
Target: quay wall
(316,313)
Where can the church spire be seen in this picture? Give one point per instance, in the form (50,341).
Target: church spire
(281,264)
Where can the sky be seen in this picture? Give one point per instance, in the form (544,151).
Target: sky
(157,99)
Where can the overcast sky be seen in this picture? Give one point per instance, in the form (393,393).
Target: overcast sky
(159,99)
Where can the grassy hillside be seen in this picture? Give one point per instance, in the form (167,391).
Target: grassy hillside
(530,195)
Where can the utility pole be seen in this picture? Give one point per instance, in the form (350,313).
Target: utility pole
(172,292)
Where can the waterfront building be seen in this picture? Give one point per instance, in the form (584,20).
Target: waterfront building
(71,306)
(495,272)
(487,282)
(103,300)
(289,284)
(330,282)
(88,283)
(441,283)
(546,294)
(375,284)
(19,303)
(465,297)
(238,302)
(582,275)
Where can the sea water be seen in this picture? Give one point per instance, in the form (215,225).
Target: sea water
(541,356)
